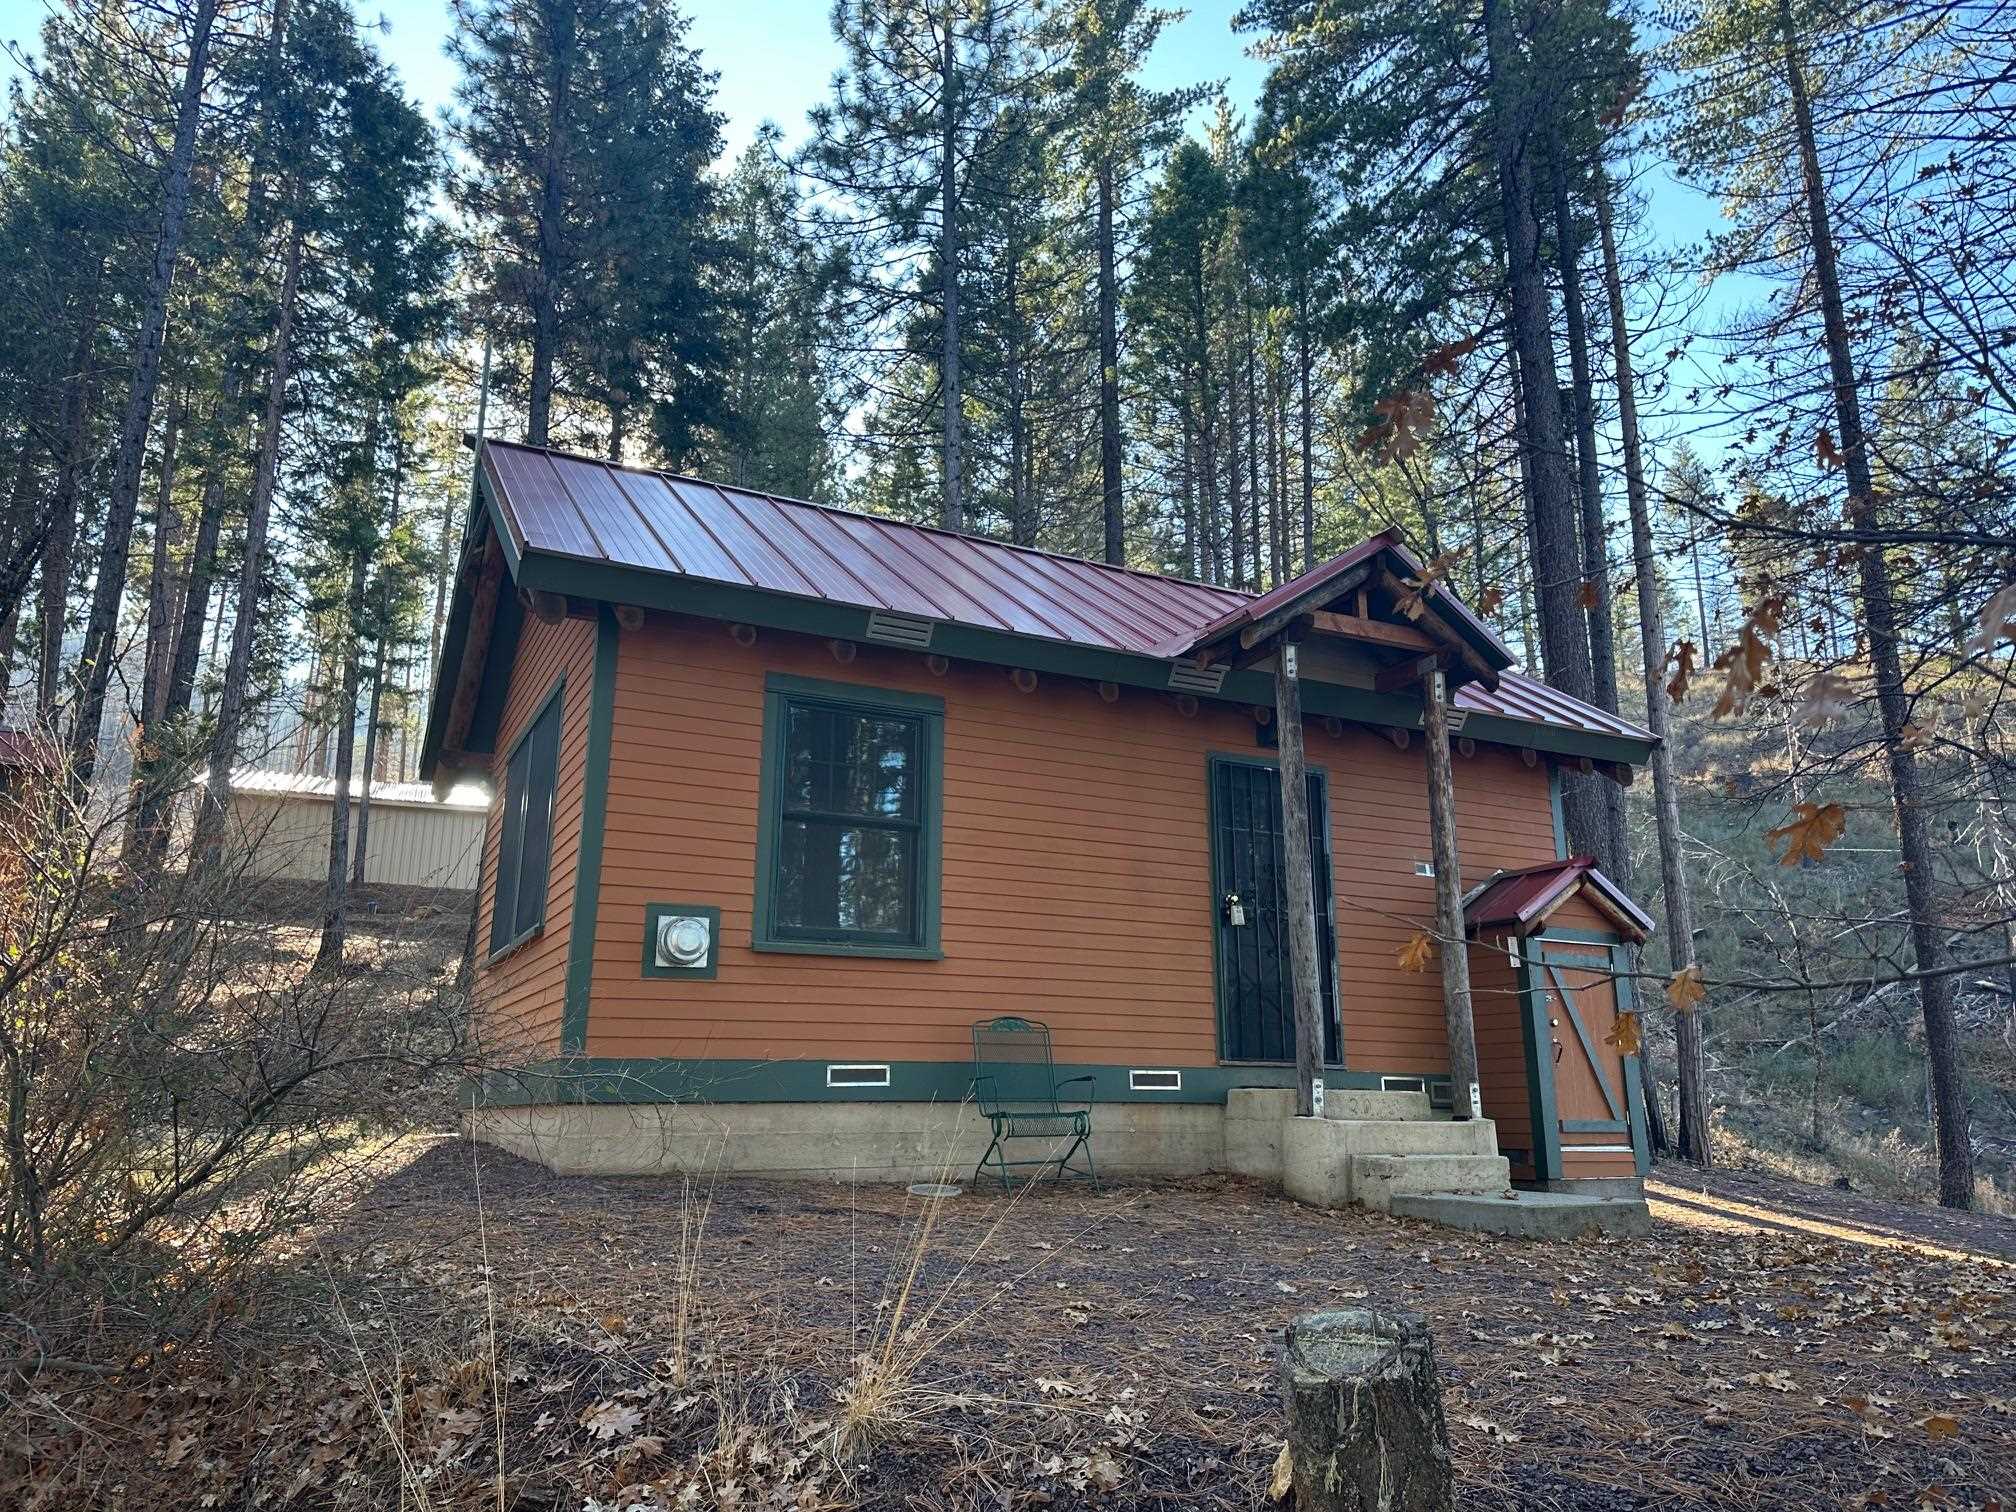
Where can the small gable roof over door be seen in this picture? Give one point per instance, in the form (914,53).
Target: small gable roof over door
(1518,903)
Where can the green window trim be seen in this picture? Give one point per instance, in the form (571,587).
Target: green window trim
(780,693)
(553,704)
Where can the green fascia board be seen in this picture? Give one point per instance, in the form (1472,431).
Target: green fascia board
(582,578)
(929,710)
(1554,803)
(619,1080)
(594,822)
(455,634)
(494,687)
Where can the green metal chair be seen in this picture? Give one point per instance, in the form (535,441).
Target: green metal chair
(1015,1087)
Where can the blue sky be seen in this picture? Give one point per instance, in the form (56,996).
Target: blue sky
(775,58)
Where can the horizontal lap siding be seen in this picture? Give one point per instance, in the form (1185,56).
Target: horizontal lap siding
(1501,1049)
(1379,818)
(1076,866)
(1076,878)
(523,993)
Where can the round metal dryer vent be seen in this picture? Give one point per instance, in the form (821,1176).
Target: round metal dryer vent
(684,940)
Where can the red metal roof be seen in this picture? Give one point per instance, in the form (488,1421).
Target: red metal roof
(562,505)
(1517,902)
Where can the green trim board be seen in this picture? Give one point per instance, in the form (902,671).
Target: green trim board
(594,823)
(1212,761)
(1554,804)
(557,694)
(1634,1082)
(780,690)
(1546,1152)
(653,912)
(580,578)
(620,1080)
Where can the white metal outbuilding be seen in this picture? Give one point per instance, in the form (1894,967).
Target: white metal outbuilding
(280,825)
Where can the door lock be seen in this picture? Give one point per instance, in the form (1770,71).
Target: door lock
(1233,911)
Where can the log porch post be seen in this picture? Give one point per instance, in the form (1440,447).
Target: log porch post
(1298,881)
(1453,948)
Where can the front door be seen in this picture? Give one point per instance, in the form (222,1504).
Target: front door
(1256,1010)
(1589,1113)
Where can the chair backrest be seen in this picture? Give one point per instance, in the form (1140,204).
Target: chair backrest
(1011,1065)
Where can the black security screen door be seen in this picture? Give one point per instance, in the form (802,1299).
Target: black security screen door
(1256,1013)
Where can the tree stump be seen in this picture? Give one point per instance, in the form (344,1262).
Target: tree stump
(1365,1426)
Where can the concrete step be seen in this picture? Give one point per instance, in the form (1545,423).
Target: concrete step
(1529,1215)
(1414,1136)
(1376,1180)
(1350,1103)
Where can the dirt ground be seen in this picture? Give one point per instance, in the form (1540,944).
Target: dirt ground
(666,1343)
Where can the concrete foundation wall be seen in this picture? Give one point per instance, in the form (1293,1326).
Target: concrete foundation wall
(901,1142)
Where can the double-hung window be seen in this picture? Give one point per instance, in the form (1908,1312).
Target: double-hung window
(847,858)
(526,842)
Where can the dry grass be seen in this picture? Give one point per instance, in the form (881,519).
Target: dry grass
(1774,1346)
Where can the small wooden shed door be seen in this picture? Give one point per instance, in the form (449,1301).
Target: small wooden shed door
(1588,1113)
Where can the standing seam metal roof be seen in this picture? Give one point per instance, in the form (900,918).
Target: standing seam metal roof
(559,504)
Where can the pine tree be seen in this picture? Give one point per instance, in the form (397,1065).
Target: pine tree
(588,129)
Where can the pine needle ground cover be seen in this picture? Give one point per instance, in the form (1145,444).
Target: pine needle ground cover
(658,1342)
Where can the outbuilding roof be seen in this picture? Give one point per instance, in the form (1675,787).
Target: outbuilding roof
(592,529)
(1518,902)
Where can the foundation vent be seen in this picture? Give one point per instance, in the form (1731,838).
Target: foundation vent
(1155,1081)
(1401,1084)
(1441,1094)
(1187,677)
(857,1076)
(899,630)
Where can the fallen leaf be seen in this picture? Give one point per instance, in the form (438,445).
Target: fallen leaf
(1283,1479)
(608,1420)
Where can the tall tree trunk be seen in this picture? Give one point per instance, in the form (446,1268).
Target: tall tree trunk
(1555,527)
(160,589)
(102,629)
(1691,1025)
(1234,476)
(382,635)
(952,513)
(60,522)
(207,845)
(1111,442)
(1253,523)
(1879,612)
(1307,432)
(1616,852)
(336,894)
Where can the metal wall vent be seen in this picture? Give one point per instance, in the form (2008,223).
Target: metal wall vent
(1401,1084)
(1441,1094)
(1155,1081)
(1187,677)
(899,630)
(857,1076)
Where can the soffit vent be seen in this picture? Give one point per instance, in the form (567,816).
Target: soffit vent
(1188,677)
(899,630)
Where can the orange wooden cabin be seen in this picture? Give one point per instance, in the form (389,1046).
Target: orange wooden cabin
(785,798)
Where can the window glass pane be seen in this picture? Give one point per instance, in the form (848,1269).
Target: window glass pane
(511,836)
(838,761)
(840,878)
(544,748)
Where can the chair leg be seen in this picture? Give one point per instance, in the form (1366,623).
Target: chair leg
(1000,1158)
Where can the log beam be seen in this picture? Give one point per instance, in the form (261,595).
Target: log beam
(1377,632)
(1299,883)
(1455,953)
